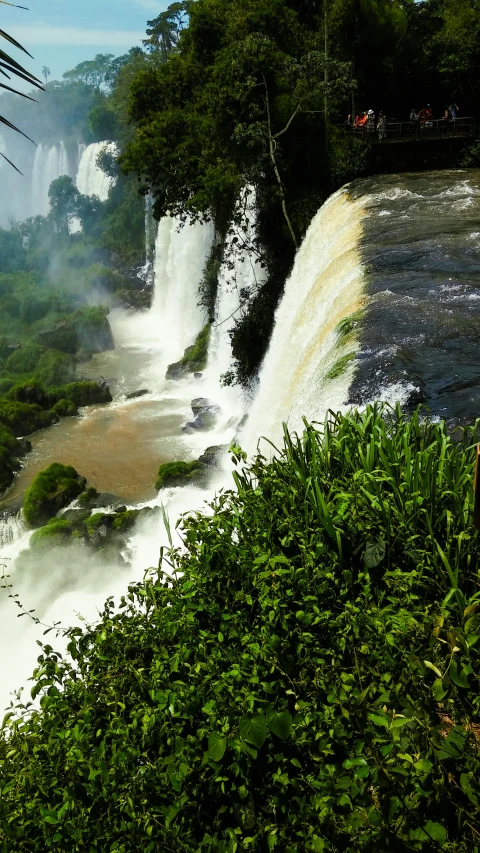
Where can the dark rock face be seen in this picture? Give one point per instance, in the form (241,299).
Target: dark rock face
(86,331)
(134,394)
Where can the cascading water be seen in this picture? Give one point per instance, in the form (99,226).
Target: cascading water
(325,286)
(91,180)
(50,163)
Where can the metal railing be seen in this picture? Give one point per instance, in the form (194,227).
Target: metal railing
(416,131)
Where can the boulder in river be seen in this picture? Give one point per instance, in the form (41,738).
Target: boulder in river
(205,415)
(134,394)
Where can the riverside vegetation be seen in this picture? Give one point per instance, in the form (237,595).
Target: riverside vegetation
(304,676)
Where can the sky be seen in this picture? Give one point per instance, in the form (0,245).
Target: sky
(61,33)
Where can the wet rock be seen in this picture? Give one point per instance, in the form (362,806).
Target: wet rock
(212,456)
(205,415)
(176,371)
(197,375)
(62,336)
(134,394)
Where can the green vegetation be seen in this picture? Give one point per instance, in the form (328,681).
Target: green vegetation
(53,533)
(179,474)
(340,365)
(347,327)
(195,357)
(305,678)
(82,393)
(86,496)
(65,409)
(51,490)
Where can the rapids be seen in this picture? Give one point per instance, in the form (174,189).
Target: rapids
(402,250)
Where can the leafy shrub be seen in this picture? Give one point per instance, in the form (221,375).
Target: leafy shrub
(86,496)
(306,680)
(51,490)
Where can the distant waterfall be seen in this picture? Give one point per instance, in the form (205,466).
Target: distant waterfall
(325,286)
(180,255)
(90,179)
(50,163)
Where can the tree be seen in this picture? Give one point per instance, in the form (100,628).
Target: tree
(93,72)
(63,196)
(46,73)
(164,31)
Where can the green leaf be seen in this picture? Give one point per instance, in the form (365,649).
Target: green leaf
(423,765)
(457,674)
(434,668)
(217,746)
(374,553)
(430,831)
(279,723)
(467,788)
(438,690)
(379,721)
(254,729)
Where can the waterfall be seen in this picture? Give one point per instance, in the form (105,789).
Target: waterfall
(239,277)
(12,527)
(91,180)
(325,286)
(180,255)
(50,163)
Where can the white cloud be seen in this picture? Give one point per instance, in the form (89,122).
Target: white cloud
(44,34)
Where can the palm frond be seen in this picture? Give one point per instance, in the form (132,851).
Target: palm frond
(10,65)
(11,164)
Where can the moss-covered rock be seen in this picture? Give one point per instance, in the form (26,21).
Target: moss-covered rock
(30,391)
(93,329)
(55,368)
(82,393)
(180,474)
(25,359)
(58,531)
(87,496)
(51,490)
(23,418)
(194,358)
(65,408)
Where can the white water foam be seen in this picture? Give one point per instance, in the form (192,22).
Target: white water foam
(50,163)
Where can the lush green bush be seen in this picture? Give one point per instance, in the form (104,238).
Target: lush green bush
(51,490)
(304,679)
(178,474)
(29,391)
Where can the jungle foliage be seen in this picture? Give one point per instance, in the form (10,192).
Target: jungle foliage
(255,93)
(301,674)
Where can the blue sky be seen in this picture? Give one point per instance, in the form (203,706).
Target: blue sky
(62,33)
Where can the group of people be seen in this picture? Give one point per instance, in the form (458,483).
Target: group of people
(365,123)
(426,114)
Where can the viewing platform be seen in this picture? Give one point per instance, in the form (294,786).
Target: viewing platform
(416,131)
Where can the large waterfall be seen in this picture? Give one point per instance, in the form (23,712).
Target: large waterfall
(326,285)
(91,180)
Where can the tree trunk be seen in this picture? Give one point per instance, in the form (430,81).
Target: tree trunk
(272,143)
